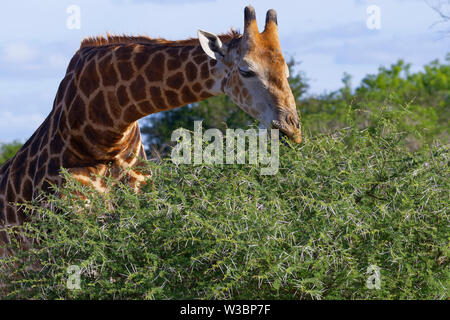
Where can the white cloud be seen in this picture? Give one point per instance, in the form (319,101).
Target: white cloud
(19,53)
(18,125)
(58,60)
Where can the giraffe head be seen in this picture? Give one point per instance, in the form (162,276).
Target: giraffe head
(255,74)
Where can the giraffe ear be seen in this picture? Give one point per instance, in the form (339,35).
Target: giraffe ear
(212,45)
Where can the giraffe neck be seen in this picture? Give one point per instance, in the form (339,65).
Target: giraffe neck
(119,84)
(106,89)
(94,117)
(177,76)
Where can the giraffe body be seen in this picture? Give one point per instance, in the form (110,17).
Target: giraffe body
(112,82)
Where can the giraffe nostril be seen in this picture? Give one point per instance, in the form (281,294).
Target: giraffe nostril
(290,119)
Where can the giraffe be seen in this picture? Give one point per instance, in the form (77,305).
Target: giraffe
(113,81)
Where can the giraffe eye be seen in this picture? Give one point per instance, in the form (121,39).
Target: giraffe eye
(247,73)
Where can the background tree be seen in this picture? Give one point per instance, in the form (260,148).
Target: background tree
(442,8)
(8,150)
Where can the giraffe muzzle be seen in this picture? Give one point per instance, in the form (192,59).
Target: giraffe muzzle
(290,128)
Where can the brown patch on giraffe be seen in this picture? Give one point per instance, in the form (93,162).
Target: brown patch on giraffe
(140,59)
(76,114)
(205,94)
(185,51)
(56,144)
(43,157)
(70,93)
(200,58)
(204,71)
(125,69)
(55,121)
(187,95)
(54,166)
(89,80)
(123,53)
(18,166)
(108,72)
(106,140)
(88,54)
(3,237)
(92,134)
(146,107)
(197,87)
(62,125)
(32,167)
(34,148)
(40,174)
(115,150)
(122,96)
(19,160)
(98,112)
(69,159)
(198,51)
(3,182)
(172,98)
(173,53)
(191,71)
(10,194)
(17,180)
(131,155)
(21,218)
(113,104)
(132,114)
(137,89)
(236,91)
(212,62)
(77,143)
(11,215)
(173,64)
(44,140)
(175,81)
(155,69)
(46,187)
(131,180)
(157,99)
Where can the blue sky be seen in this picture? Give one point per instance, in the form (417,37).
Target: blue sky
(329,37)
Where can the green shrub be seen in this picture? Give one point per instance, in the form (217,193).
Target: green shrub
(340,203)
(427,94)
(8,150)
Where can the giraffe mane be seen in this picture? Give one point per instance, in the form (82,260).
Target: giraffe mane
(98,41)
